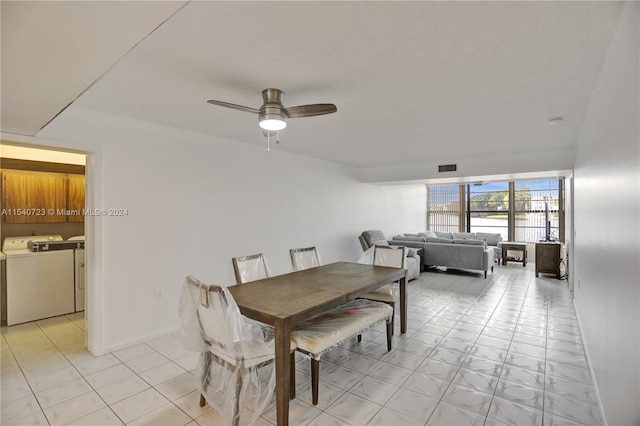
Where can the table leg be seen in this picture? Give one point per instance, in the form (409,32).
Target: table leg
(283,370)
(403,304)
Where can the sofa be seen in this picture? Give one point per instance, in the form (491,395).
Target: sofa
(376,237)
(457,250)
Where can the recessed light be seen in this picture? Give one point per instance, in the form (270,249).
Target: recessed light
(555,120)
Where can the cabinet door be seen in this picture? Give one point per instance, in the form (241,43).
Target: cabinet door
(52,197)
(30,197)
(75,200)
(18,194)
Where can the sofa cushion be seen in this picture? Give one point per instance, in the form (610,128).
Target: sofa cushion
(409,238)
(490,238)
(470,241)
(440,240)
(428,234)
(464,235)
(443,235)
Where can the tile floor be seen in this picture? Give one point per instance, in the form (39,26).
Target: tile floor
(505,350)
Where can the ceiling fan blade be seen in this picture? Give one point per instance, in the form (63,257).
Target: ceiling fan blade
(233,106)
(310,110)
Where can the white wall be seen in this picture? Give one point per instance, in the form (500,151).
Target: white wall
(607,230)
(195,201)
(495,164)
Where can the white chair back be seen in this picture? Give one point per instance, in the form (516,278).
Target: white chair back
(217,315)
(250,268)
(390,256)
(304,258)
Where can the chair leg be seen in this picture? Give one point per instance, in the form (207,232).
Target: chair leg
(485,275)
(315,372)
(206,378)
(236,410)
(389,334)
(393,317)
(292,381)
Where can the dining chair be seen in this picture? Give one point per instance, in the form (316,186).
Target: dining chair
(321,333)
(393,257)
(250,268)
(304,258)
(233,349)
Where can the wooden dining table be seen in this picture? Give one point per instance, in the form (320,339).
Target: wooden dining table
(284,301)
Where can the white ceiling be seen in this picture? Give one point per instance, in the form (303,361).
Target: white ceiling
(413,81)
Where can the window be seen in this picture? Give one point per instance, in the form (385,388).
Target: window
(525,210)
(488,206)
(443,208)
(537,204)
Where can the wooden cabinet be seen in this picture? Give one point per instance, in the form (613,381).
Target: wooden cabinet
(548,258)
(40,197)
(75,198)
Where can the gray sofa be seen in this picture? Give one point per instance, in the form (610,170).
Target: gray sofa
(376,237)
(453,250)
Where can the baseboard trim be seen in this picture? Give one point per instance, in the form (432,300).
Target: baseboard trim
(590,364)
(138,340)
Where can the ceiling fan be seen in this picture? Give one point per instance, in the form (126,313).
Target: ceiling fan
(272,115)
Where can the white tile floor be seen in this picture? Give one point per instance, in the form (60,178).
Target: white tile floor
(505,350)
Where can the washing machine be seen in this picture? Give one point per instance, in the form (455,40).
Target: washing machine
(39,284)
(79,273)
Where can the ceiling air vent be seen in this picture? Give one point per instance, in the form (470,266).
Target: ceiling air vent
(447,168)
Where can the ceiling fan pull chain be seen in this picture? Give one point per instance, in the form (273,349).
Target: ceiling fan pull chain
(277,137)
(268,142)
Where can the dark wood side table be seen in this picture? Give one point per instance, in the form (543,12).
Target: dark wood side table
(514,246)
(548,258)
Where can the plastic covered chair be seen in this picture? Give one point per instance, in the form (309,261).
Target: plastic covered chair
(304,258)
(393,257)
(317,335)
(250,268)
(235,373)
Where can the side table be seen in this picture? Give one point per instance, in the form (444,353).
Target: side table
(514,246)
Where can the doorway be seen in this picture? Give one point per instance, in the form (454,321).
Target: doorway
(44,192)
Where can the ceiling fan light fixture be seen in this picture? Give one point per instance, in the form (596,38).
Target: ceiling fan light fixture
(272,124)
(272,119)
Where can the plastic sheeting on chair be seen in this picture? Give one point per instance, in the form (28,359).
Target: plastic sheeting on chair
(235,373)
(304,258)
(250,268)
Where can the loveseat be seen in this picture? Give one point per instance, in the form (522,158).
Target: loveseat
(454,250)
(376,237)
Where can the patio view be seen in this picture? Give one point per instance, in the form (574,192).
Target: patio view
(486,208)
